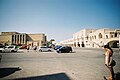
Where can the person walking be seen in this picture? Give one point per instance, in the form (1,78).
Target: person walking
(109,62)
(28,47)
(35,48)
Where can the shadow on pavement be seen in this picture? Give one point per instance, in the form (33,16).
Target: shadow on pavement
(57,76)
(117,76)
(7,71)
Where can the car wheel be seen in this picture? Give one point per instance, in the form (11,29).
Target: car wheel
(49,50)
(60,51)
(40,50)
(12,51)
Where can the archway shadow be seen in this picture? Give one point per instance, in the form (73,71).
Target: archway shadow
(7,71)
(117,76)
(57,76)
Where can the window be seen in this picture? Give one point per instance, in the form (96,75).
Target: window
(87,37)
(115,34)
(95,37)
(111,36)
(100,35)
(10,47)
(12,38)
(92,37)
(106,36)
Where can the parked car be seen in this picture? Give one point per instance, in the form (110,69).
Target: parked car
(64,49)
(2,49)
(69,48)
(23,47)
(11,48)
(44,48)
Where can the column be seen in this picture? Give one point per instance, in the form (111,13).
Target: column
(24,39)
(19,39)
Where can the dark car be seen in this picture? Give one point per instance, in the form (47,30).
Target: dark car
(64,49)
(69,48)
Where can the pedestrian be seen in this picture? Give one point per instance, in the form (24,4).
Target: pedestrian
(109,62)
(28,47)
(35,48)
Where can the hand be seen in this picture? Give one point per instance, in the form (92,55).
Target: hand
(107,65)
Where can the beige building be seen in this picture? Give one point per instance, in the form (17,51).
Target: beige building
(68,42)
(36,39)
(22,38)
(86,37)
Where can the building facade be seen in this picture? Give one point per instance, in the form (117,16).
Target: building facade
(86,37)
(8,38)
(68,42)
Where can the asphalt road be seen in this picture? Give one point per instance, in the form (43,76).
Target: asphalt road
(81,64)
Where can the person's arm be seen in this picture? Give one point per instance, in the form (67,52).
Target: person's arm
(108,58)
(97,44)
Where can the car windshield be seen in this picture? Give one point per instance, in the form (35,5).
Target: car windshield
(62,47)
(10,47)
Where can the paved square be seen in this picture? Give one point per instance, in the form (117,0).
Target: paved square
(82,64)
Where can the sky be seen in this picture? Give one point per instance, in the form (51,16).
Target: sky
(58,19)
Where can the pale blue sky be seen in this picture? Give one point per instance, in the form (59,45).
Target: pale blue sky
(58,19)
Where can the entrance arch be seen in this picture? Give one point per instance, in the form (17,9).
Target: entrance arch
(113,44)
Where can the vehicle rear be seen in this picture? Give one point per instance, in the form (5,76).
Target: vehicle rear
(2,49)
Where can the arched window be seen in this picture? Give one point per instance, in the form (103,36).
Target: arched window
(92,37)
(106,36)
(95,37)
(87,37)
(100,35)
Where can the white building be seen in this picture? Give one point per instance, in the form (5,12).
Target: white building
(68,42)
(81,38)
(105,36)
(86,37)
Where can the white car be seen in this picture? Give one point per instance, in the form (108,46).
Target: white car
(11,48)
(2,49)
(44,48)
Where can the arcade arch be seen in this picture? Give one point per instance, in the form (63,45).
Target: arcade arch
(113,44)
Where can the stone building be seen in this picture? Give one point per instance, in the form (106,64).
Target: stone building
(36,39)
(8,38)
(68,42)
(105,36)
(86,37)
